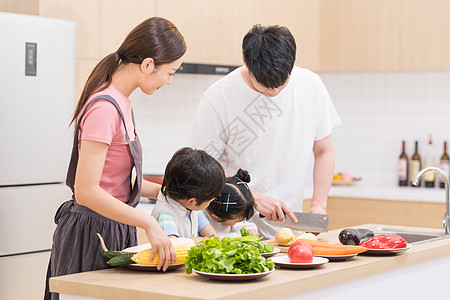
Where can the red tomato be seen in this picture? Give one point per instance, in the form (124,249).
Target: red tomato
(300,254)
(300,243)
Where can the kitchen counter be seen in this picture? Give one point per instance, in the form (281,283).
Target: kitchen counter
(123,283)
(366,190)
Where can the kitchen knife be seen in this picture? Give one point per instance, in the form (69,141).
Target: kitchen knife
(306,222)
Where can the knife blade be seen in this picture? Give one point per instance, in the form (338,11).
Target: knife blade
(306,222)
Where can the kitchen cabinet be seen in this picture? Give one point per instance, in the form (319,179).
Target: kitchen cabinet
(331,35)
(384,35)
(101,27)
(425,35)
(347,212)
(117,20)
(214,29)
(359,35)
(29,7)
(86,13)
(23,276)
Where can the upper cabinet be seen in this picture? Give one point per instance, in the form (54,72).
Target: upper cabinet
(359,35)
(28,7)
(425,35)
(101,27)
(214,29)
(384,35)
(331,35)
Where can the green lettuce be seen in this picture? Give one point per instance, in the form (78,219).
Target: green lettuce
(228,256)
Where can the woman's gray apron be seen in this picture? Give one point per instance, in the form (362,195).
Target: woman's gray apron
(76,247)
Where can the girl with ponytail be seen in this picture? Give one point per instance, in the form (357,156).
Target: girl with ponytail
(230,211)
(106,149)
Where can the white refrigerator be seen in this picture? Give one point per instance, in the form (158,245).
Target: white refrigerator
(37,96)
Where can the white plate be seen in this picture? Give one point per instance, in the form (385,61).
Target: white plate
(338,257)
(387,251)
(232,277)
(270,254)
(283,261)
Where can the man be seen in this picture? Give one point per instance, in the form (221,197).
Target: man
(274,120)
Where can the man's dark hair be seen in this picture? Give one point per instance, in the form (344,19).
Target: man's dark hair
(193,173)
(269,53)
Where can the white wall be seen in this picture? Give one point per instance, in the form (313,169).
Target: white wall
(378,111)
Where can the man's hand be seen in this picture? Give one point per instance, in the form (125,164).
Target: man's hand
(318,209)
(273,209)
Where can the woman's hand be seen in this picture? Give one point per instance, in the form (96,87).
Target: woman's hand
(161,244)
(273,209)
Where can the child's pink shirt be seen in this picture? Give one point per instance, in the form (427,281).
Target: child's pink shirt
(102,123)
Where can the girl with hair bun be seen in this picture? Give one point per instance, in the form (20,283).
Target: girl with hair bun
(105,151)
(230,212)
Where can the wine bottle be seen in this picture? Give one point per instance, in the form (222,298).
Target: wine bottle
(430,177)
(444,165)
(403,167)
(415,165)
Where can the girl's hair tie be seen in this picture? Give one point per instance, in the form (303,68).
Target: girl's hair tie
(228,202)
(244,183)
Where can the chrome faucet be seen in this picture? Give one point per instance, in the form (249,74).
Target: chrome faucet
(446,221)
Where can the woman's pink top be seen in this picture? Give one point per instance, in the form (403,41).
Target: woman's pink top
(102,123)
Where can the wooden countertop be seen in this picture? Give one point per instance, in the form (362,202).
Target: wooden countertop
(123,283)
(366,190)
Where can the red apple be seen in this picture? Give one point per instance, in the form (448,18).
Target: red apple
(300,254)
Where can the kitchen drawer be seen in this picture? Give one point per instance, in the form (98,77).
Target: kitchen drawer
(22,277)
(27,216)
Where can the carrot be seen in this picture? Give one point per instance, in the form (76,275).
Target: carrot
(338,250)
(334,249)
(320,244)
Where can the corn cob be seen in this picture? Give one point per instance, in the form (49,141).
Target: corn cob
(143,257)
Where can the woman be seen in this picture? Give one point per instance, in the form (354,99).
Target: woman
(106,149)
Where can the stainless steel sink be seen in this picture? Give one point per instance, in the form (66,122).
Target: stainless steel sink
(412,236)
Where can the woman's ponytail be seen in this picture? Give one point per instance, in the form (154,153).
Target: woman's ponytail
(101,76)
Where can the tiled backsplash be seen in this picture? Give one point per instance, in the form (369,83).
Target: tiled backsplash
(163,120)
(378,111)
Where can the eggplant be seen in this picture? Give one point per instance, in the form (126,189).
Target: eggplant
(353,236)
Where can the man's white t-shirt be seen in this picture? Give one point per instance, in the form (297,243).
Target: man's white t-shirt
(270,137)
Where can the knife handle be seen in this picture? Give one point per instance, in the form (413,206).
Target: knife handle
(263,216)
